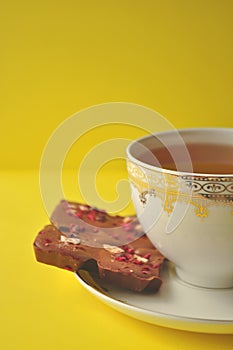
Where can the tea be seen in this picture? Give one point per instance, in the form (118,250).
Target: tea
(205,158)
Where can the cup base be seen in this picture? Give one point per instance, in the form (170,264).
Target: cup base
(204,282)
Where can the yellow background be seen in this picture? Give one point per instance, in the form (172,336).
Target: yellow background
(58,57)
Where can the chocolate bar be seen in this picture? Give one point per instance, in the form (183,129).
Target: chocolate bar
(81,236)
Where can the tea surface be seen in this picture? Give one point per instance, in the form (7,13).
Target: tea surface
(204,158)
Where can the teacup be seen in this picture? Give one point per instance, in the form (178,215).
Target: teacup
(182,190)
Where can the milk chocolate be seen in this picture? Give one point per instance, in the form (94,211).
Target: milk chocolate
(119,250)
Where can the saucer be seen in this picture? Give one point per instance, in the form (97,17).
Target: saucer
(177,304)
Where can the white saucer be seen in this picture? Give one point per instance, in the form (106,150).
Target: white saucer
(177,305)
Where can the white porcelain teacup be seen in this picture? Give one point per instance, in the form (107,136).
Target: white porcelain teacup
(184,200)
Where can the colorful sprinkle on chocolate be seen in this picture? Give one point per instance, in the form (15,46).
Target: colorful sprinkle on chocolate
(91,216)
(140,258)
(127,226)
(120,258)
(127,219)
(84,207)
(70,240)
(147,256)
(113,249)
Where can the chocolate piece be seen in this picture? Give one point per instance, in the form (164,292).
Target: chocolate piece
(136,268)
(95,226)
(78,241)
(51,249)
